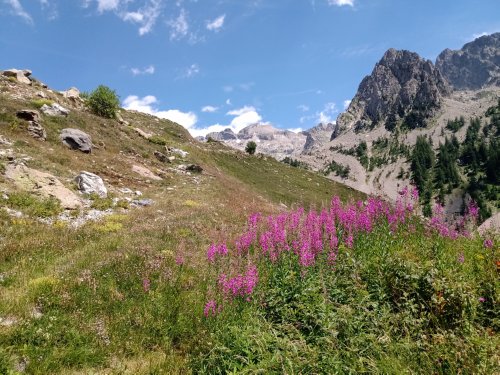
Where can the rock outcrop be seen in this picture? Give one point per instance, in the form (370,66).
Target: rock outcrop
(402,87)
(54,110)
(43,184)
(90,183)
(473,67)
(21,76)
(35,129)
(76,140)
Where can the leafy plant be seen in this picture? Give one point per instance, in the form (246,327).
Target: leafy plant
(251,147)
(103,102)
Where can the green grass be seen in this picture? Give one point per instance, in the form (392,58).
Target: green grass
(32,205)
(39,103)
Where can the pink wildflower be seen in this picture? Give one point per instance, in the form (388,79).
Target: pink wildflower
(179,260)
(210,308)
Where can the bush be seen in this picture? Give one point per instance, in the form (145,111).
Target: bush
(103,102)
(251,147)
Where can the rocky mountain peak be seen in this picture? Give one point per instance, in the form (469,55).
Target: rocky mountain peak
(474,66)
(401,86)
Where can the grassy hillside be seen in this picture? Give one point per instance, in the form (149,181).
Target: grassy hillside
(124,294)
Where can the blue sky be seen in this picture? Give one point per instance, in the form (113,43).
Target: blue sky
(210,64)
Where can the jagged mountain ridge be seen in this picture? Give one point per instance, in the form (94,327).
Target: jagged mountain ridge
(406,97)
(401,85)
(474,66)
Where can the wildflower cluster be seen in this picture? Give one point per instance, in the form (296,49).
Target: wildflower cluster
(306,236)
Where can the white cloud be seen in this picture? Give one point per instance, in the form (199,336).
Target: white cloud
(243,117)
(341,2)
(50,9)
(209,109)
(146,16)
(228,88)
(179,27)
(216,24)
(18,10)
(303,108)
(295,130)
(228,102)
(241,111)
(148,70)
(191,71)
(148,104)
(324,116)
(107,5)
(346,104)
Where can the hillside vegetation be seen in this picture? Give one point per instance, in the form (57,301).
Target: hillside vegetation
(248,266)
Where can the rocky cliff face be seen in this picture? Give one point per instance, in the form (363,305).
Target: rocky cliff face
(318,135)
(402,86)
(473,67)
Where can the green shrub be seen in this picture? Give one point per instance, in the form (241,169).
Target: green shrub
(157,140)
(103,102)
(251,147)
(39,103)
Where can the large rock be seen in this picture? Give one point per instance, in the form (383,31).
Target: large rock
(28,115)
(402,86)
(90,183)
(54,110)
(76,140)
(20,75)
(37,131)
(474,66)
(43,184)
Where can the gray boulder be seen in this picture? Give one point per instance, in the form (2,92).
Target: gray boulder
(76,140)
(89,183)
(54,110)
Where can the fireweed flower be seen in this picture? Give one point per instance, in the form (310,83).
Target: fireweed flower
(481,299)
(214,250)
(210,308)
(461,258)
